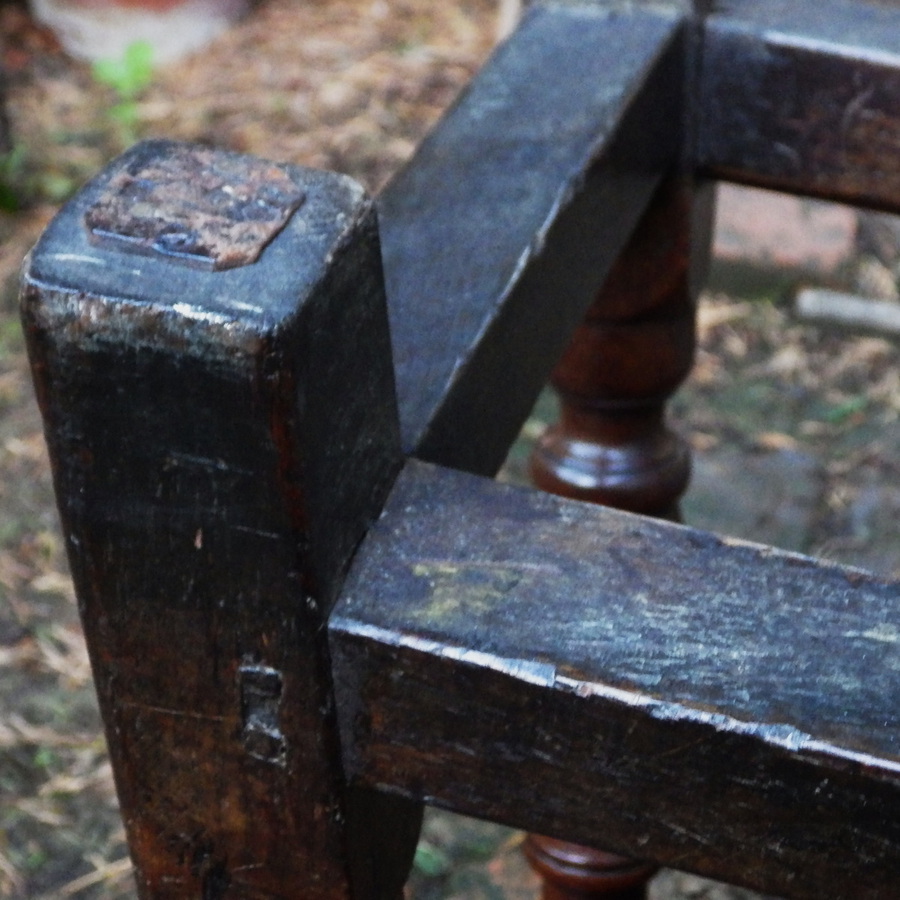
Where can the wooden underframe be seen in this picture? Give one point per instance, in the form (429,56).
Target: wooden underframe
(714,705)
(222,446)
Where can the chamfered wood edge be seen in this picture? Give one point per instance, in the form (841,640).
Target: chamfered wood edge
(497,234)
(436,702)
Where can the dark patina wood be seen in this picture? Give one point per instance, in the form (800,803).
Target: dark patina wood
(500,223)
(500,220)
(611,444)
(499,233)
(803,97)
(727,708)
(634,348)
(221,441)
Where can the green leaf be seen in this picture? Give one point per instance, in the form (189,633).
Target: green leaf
(108,72)
(431,860)
(45,758)
(56,187)
(139,65)
(12,172)
(129,75)
(843,411)
(9,199)
(124,113)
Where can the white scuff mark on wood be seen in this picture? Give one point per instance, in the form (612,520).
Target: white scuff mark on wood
(778,734)
(259,532)
(78,258)
(885,633)
(529,670)
(174,713)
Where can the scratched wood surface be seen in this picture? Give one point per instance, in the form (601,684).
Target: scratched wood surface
(223,441)
(502,228)
(722,707)
(220,443)
(803,97)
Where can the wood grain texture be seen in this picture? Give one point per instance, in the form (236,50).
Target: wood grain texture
(501,229)
(593,675)
(611,444)
(220,442)
(803,97)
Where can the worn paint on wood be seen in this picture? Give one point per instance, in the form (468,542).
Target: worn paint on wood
(716,706)
(201,207)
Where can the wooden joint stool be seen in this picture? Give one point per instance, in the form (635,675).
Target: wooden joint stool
(271,402)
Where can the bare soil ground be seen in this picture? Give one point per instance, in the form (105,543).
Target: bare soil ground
(796,428)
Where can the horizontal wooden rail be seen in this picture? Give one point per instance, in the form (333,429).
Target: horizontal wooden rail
(501,230)
(729,709)
(803,97)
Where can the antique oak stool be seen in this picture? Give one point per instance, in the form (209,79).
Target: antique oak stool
(270,403)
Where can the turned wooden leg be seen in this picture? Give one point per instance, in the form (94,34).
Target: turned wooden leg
(572,872)
(612,446)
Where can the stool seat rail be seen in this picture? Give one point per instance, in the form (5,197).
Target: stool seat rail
(803,97)
(591,674)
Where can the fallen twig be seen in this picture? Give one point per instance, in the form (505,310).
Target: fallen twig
(835,308)
(114,870)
